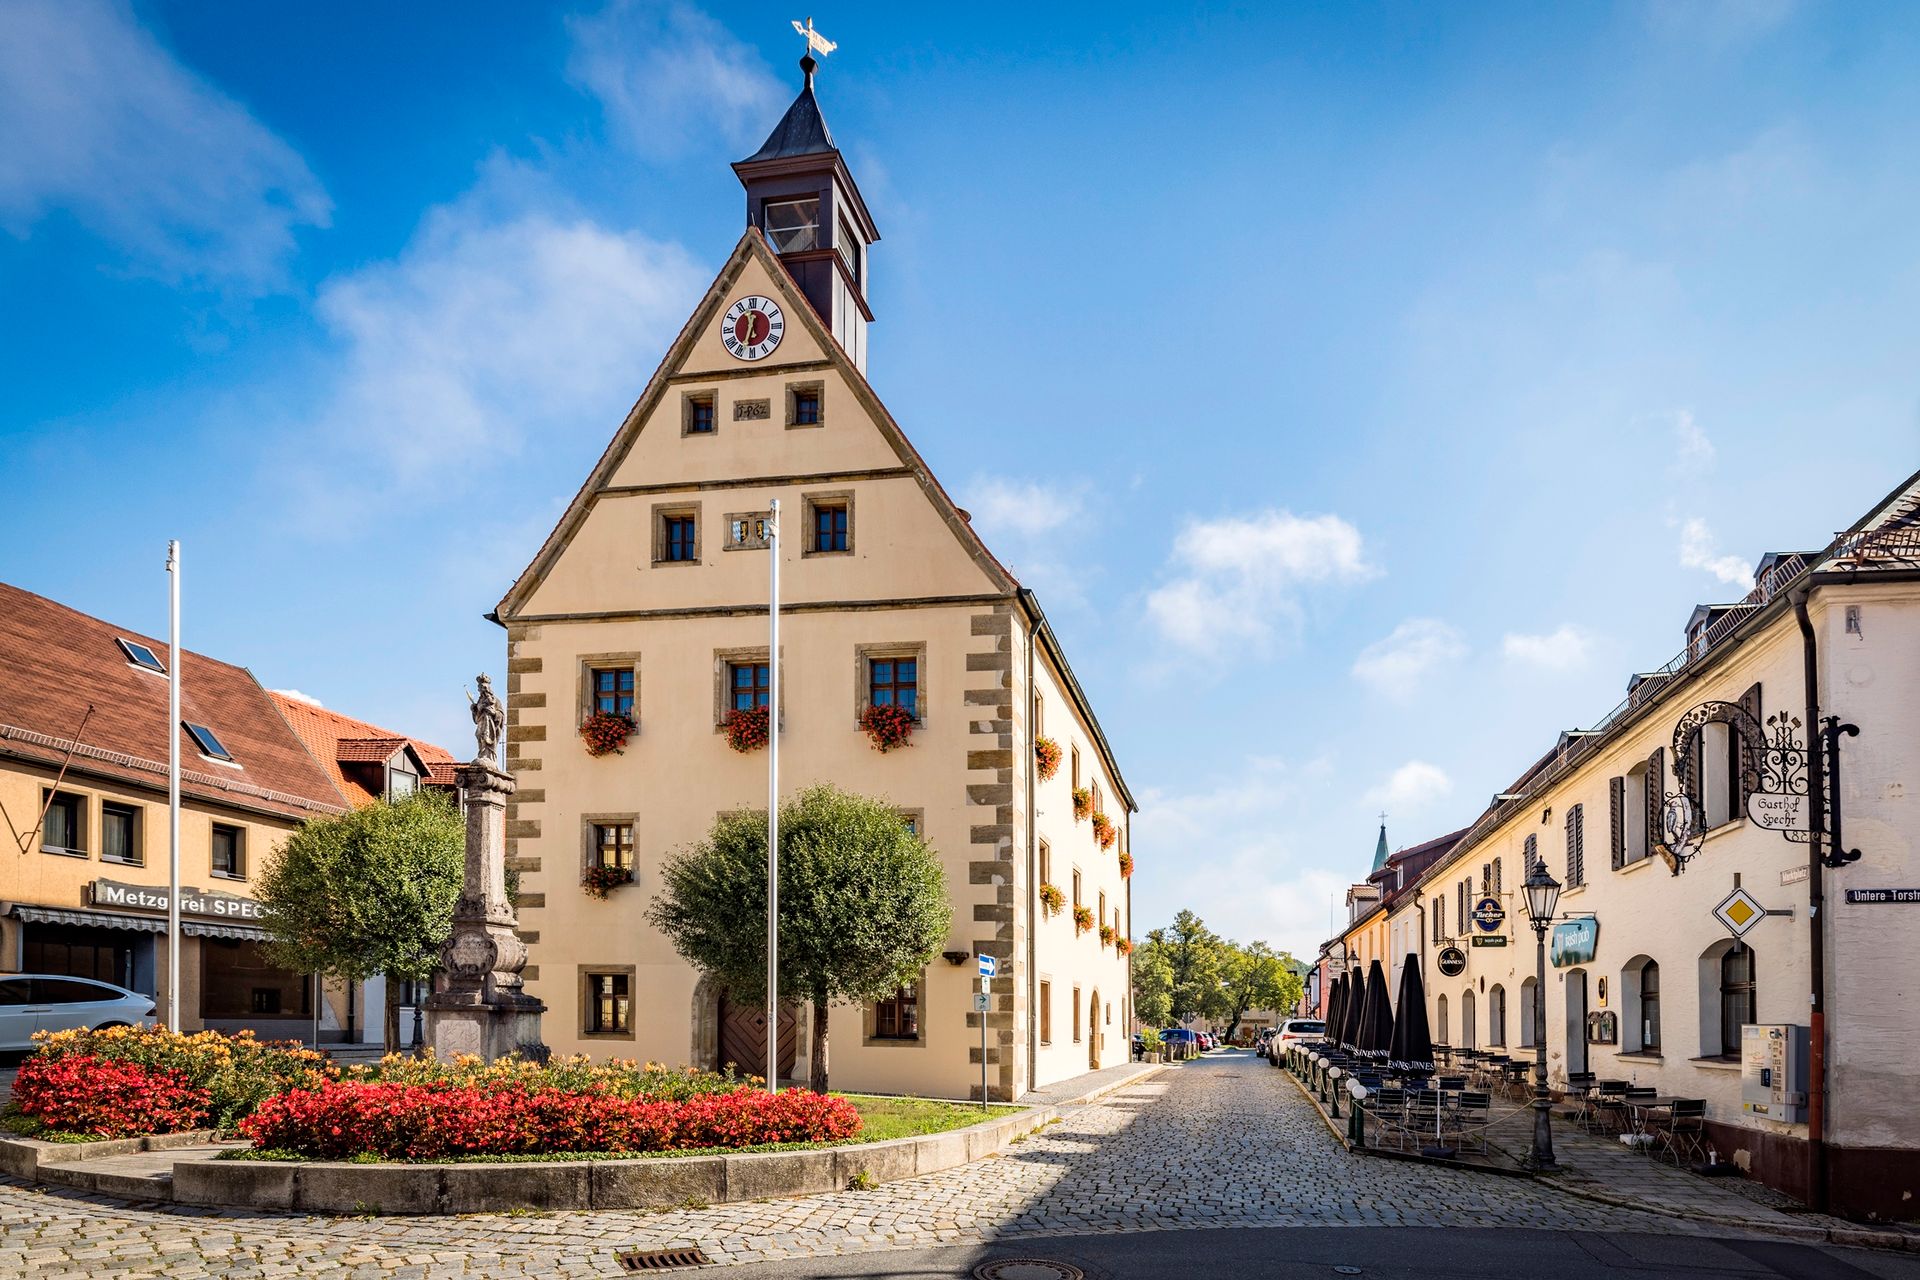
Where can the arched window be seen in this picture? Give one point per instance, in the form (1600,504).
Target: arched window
(1529,997)
(1650,1006)
(1467,1021)
(1497,1018)
(1440,1020)
(1640,1006)
(1728,997)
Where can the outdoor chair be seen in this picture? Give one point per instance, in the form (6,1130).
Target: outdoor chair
(1580,1095)
(1608,1112)
(1468,1119)
(1684,1135)
(1417,1119)
(1388,1105)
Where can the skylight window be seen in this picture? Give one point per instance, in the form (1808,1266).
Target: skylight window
(208,741)
(141,656)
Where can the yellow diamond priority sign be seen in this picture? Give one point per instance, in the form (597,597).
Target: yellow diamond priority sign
(1739,912)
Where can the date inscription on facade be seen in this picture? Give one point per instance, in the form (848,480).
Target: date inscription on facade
(752,410)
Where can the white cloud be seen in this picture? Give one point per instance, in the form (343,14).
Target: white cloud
(1234,576)
(1035,529)
(668,77)
(98,121)
(1699,551)
(1019,508)
(492,328)
(1411,787)
(1692,451)
(1396,665)
(1562,649)
(298,696)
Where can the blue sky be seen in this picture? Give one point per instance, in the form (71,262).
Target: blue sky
(1371,387)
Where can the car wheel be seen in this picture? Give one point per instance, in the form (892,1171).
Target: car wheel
(106,1026)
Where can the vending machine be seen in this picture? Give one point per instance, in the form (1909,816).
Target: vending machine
(1773,1071)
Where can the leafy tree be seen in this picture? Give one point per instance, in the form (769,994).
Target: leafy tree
(1255,977)
(368,892)
(1195,953)
(863,905)
(1152,983)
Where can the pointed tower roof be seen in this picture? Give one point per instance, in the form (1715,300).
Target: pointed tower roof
(1380,850)
(802,131)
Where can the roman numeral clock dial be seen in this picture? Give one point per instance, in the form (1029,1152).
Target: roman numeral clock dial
(753,328)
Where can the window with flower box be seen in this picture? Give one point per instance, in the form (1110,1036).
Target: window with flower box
(613,845)
(613,690)
(894,682)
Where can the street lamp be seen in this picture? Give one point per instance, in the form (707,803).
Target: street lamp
(1543,897)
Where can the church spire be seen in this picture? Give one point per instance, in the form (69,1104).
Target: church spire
(803,199)
(1380,850)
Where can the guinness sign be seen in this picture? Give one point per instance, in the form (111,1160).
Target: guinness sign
(1452,961)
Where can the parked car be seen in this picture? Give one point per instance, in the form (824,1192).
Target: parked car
(1293,1030)
(31,1002)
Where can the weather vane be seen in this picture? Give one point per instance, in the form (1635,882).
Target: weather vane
(816,43)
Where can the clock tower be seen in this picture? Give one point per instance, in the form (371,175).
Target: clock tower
(802,198)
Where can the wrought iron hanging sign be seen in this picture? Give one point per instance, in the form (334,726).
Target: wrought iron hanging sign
(1779,803)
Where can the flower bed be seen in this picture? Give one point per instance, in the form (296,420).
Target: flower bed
(748,728)
(1082,919)
(579,1073)
(1046,758)
(887,725)
(1104,830)
(442,1120)
(77,1074)
(1052,901)
(606,732)
(599,879)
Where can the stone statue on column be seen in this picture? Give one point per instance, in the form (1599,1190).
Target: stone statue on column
(480,1007)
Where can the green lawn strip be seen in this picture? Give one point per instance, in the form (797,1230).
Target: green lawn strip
(881,1119)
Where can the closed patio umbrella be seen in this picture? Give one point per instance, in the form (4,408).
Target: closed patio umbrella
(1350,1017)
(1336,993)
(1376,1017)
(1411,1050)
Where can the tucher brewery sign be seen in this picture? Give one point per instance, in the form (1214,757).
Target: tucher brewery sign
(140,897)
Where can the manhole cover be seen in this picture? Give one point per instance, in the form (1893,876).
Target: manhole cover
(1027,1269)
(661,1259)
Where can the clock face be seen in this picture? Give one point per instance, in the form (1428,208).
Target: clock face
(753,328)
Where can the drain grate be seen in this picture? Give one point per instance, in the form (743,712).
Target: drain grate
(1027,1269)
(661,1259)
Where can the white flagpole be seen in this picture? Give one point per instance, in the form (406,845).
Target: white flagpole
(173,788)
(773,796)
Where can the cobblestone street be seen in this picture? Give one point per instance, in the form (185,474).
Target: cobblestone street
(1225,1141)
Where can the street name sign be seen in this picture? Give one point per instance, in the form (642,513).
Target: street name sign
(1906,897)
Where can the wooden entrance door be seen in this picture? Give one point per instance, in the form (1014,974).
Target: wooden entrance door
(743,1038)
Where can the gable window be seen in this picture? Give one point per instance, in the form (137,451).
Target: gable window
(141,655)
(208,742)
(699,419)
(680,538)
(793,226)
(830,527)
(64,828)
(609,1004)
(806,408)
(894,682)
(229,852)
(401,784)
(748,685)
(676,533)
(898,1016)
(613,845)
(612,690)
(120,833)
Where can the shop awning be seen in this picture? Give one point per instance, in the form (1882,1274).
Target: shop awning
(191,927)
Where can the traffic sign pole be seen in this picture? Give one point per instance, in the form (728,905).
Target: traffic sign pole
(989,966)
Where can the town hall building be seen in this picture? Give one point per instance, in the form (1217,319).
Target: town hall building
(649,601)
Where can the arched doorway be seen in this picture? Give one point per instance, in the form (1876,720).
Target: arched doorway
(1093,1028)
(1576,1021)
(743,1038)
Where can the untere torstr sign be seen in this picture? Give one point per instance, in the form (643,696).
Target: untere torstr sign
(140,897)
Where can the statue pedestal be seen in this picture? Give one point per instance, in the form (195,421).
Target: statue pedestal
(481,1009)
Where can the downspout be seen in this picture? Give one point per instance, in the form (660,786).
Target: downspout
(1033,878)
(1816,918)
(1126,998)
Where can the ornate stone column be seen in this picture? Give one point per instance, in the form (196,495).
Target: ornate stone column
(480,1007)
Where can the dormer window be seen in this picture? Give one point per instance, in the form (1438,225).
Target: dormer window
(793,226)
(140,655)
(208,741)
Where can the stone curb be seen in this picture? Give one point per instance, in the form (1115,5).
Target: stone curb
(23,1157)
(661,1182)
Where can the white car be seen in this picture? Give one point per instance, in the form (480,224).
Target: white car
(1293,1030)
(31,1002)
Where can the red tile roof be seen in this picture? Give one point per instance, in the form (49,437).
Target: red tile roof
(335,739)
(56,661)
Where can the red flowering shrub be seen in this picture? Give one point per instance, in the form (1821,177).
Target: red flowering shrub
(889,726)
(1104,830)
(606,731)
(747,728)
(1082,919)
(341,1119)
(1082,803)
(1126,865)
(1052,901)
(79,1093)
(1046,757)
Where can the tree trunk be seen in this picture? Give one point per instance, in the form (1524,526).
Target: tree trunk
(817,1074)
(390,1029)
